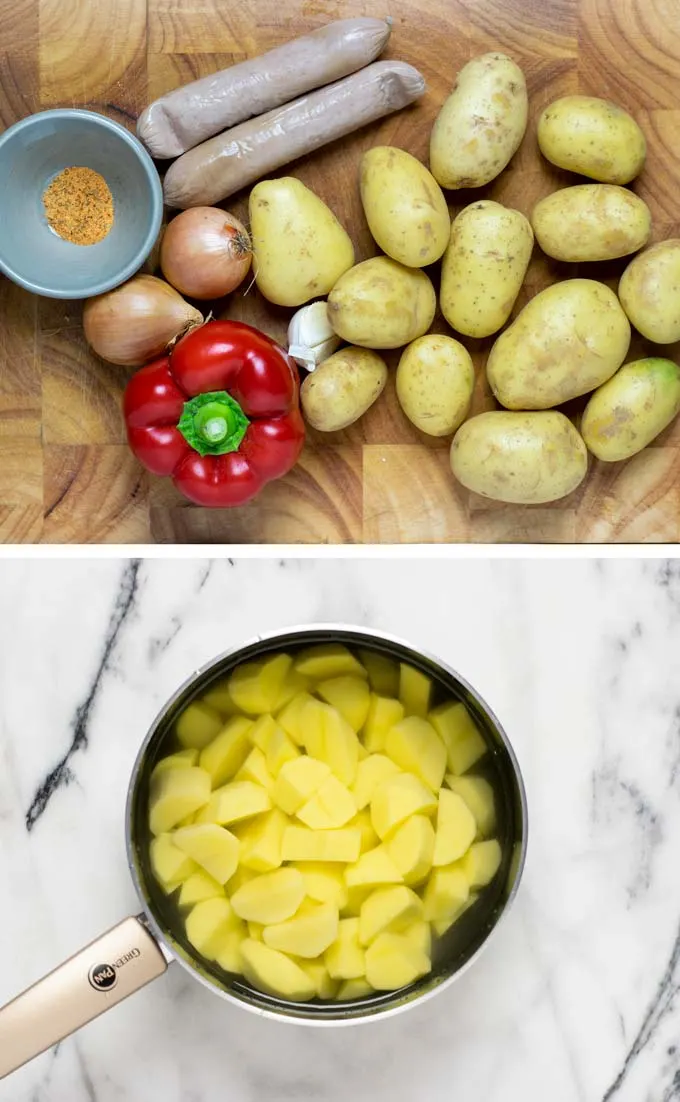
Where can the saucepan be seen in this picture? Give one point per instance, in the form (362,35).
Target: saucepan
(140,948)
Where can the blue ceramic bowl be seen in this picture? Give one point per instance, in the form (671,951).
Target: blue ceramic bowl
(32,153)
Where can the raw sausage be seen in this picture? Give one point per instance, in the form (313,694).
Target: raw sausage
(225,164)
(181,119)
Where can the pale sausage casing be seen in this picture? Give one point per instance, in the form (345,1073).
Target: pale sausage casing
(222,166)
(187,116)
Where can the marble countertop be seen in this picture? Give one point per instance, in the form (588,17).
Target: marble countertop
(575,999)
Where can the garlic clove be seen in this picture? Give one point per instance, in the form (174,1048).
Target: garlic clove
(311,339)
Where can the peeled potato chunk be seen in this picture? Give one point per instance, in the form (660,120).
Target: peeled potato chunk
(290,717)
(394,961)
(169,863)
(270,898)
(441,926)
(420,933)
(411,848)
(339,746)
(199,886)
(305,935)
(370,773)
(369,838)
(219,698)
(262,841)
(235,801)
(456,828)
(324,882)
(350,695)
(274,972)
(388,909)
(198,724)
(228,751)
(373,868)
(383,672)
(345,958)
(297,781)
(212,847)
(331,806)
(182,759)
(464,743)
(415,689)
(446,893)
(226,947)
(328,660)
(354,989)
(481,863)
(302,844)
(326,988)
(397,798)
(255,687)
(255,769)
(294,684)
(206,921)
(383,713)
(415,746)
(478,795)
(176,793)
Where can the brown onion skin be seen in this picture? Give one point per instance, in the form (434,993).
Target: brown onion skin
(137,321)
(205,253)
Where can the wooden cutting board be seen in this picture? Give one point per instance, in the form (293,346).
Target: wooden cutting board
(66,474)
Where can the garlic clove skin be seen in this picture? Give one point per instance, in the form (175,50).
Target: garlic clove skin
(311,339)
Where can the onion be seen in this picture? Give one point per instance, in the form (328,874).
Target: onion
(137,321)
(205,252)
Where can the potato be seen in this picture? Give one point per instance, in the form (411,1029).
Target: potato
(219,698)
(390,909)
(522,458)
(305,935)
(297,781)
(435,380)
(181,758)
(290,717)
(206,922)
(394,961)
(198,724)
(625,414)
(198,887)
(270,898)
(481,863)
(342,388)
(225,755)
(383,672)
(280,750)
(227,948)
(404,206)
(364,823)
(301,844)
(345,959)
(593,137)
(331,806)
(383,713)
(456,829)
(481,124)
(350,695)
(381,304)
(255,687)
(176,793)
(324,882)
(415,688)
(371,772)
(411,848)
(212,847)
(255,769)
(330,738)
(414,745)
(262,842)
(463,741)
(484,267)
(649,291)
(446,893)
(235,801)
(591,222)
(567,341)
(274,972)
(326,660)
(354,989)
(300,249)
(479,797)
(373,868)
(170,865)
(397,798)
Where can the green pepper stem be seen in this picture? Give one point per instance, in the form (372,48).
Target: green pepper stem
(213,424)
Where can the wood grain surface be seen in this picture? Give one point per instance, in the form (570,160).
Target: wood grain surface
(65,471)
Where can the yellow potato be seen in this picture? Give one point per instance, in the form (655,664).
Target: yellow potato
(391,909)
(198,887)
(262,842)
(484,267)
(414,745)
(345,959)
(397,798)
(274,972)
(297,781)
(324,882)
(481,863)
(342,388)
(331,806)
(227,948)
(300,249)
(326,660)
(354,989)
(435,380)
(404,206)
(373,868)
(632,408)
(305,935)
(255,769)
(326,988)
(169,863)
(383,713)
(330,738)
(411,848)
(350,695)
(271,897)
(255,687)
(218,697)
(394,961)
(212,847)
(568,340)
(522,458)
(481,124)
(235,801)
(176,793)
(446,893)
(302,844)
(456,829)
(415,688)
(227,752)
(289,718)
(649,291)
(363,822)
(181,758)
(381,304)
(371,772)
(479,797)
(383,672)
(198,724)
(463,741)
(591,222)
(207,922)
(593,137)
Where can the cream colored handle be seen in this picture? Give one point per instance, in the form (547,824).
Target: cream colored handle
(98,977)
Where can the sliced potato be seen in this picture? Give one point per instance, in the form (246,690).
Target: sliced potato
(270,898)
(414,745)
(198,724)
(213,847)
(176,793)
(274,972)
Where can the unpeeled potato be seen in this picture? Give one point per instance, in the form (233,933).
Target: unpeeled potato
(342,388)
(381,304)
(404,205)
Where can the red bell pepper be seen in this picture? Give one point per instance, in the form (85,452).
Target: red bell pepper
(220,414)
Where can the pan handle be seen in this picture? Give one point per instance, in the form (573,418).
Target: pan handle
(98,977)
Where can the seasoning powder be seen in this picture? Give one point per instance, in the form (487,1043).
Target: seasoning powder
(79,206)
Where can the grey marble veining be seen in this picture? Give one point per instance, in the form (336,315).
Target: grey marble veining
(577,997)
